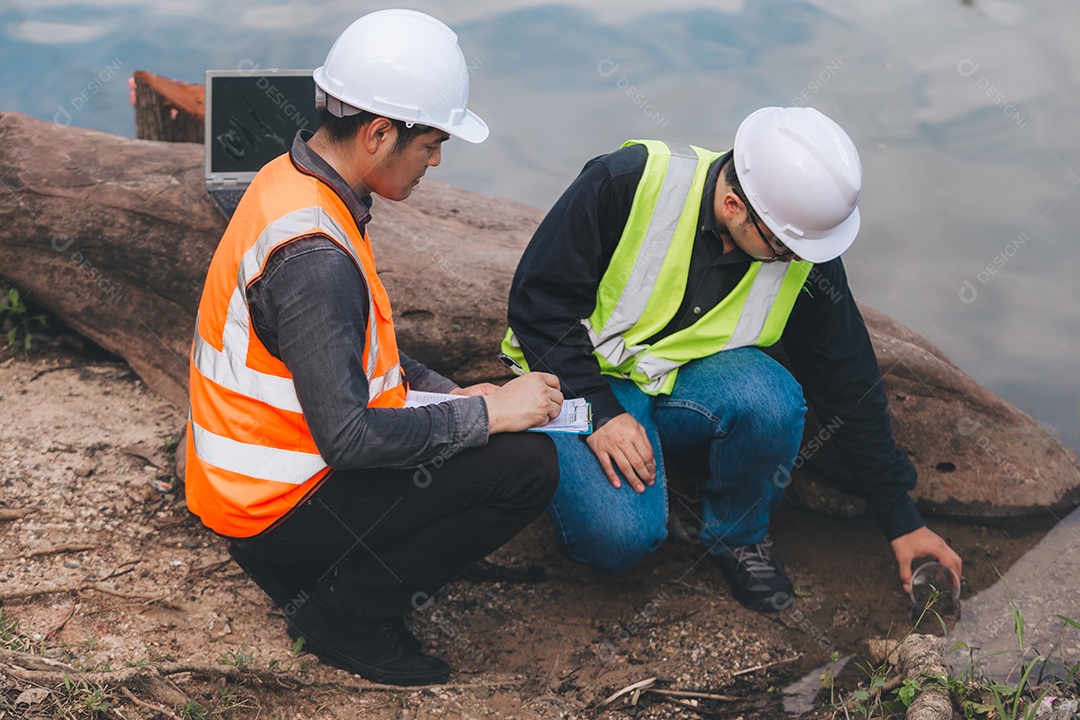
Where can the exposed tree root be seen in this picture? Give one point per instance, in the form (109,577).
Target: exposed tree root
(60,549)
(61,589)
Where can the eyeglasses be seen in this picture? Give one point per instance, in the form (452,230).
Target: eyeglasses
(785,251)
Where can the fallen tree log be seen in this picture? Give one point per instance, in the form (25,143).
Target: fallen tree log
(167,109)
(114,235)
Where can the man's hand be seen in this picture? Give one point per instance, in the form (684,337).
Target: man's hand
(922,543)
(475,390)
(524,402)
(622,441)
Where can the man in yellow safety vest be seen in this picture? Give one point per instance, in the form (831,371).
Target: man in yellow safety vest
(651,288)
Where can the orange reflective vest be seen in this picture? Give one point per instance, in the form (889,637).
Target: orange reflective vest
(250,454)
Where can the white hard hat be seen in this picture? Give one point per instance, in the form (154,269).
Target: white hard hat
(802,175)
(404,65)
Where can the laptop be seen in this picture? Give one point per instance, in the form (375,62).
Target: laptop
(252,117)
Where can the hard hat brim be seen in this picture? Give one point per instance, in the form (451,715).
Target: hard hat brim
(471,128)
(820,250)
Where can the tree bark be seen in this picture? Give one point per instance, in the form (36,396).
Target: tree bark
(922,657)
(168,110)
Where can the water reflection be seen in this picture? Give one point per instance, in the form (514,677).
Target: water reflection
(962,112)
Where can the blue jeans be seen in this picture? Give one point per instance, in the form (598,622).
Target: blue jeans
(740,409)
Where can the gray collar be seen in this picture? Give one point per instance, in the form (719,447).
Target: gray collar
(309,162)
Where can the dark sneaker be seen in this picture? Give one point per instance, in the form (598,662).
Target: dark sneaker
(410,640)
(757,579)
(373,649)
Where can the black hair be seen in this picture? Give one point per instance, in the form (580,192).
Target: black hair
(341,129)
(732,179)
(730,176)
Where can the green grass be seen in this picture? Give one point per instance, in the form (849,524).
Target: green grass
(237,658)
(193,711)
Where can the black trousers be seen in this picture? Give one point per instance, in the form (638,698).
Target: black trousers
(378,543)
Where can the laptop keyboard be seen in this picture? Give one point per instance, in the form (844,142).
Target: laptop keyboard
(227,199)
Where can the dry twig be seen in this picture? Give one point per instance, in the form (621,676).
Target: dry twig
(695,695)
(147,706)
(60,549)
(747,671)
(15,513)
(61,624)
(640,685)
(73,366)
(23,594)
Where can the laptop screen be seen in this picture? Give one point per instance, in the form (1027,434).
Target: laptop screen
(253,117)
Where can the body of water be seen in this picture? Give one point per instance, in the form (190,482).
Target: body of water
(961,111)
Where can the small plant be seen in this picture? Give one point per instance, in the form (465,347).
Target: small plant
(193,711)
(906,693)
(298,646)
(17,319)
(237,658)
(229,700)
(12,638)
(93,698)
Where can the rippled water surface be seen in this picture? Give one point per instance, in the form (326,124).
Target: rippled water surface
(964,114)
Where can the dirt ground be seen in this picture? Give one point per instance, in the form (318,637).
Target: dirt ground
(109,575)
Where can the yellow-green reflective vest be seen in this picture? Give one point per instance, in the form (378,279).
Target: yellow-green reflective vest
(645,282)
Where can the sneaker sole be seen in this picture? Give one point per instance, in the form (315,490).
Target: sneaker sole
(368,672)
(778,602)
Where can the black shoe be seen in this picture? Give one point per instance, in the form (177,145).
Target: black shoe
(757,579)
(410,640)
(372,649)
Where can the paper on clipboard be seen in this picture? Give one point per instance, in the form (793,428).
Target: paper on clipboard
(576,415)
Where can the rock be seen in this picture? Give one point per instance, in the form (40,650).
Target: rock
(114,235)
(977,456)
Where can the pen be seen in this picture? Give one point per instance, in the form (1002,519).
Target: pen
(512,364)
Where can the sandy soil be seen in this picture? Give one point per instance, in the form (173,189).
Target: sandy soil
(110,574)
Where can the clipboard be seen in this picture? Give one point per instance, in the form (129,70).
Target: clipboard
(575,418)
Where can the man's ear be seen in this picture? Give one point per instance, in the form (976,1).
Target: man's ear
(376,133)
(730,205)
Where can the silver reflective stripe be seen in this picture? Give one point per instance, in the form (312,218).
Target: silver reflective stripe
(228,367)
(654,246)
(275,391)
(656,369)
(759,302)
(257,461)
(613,349)
(392,378)
(755,311)
(300,222)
